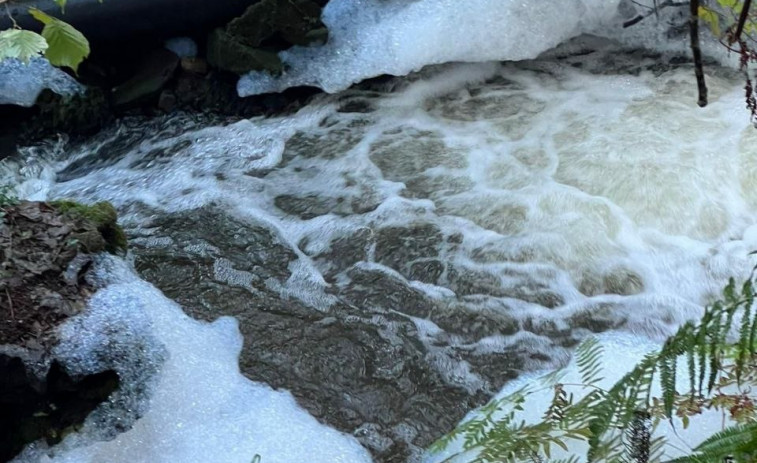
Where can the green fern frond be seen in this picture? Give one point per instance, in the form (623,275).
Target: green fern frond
(738,440)
(589,360)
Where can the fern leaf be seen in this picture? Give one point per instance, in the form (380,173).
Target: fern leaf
(589,360)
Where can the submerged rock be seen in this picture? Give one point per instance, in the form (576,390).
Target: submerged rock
(46,251)
(362,364)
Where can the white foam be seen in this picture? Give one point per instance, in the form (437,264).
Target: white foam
(201,409)
(369,38)
(184,47)
(21,84)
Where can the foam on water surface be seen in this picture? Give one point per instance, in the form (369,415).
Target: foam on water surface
(368,38)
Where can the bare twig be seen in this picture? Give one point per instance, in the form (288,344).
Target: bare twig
(10,304)
(8,12)
(652,11)
(697,52)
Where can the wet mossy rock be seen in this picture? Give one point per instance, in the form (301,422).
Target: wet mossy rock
(251,42)
(45,255)
(45,252)
(105,219)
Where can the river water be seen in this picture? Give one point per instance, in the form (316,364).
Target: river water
(396,252)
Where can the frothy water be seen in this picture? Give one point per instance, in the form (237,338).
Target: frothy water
(545,200)
(368,38)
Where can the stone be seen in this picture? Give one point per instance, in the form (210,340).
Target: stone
(194,65)
(296,22)
(167,100)
(153,73)
(226,53)
(399,247)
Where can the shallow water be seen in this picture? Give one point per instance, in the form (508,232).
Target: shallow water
(447,231)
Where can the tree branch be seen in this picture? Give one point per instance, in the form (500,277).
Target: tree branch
(697,51)
(653,11)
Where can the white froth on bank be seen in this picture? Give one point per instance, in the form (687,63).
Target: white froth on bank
(202,409)
(21,83)
(369,38)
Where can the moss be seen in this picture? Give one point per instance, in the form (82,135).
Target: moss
(104,217)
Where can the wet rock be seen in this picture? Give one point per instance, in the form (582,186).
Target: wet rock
(476,318)
(436,186)
(295,22)
(78,114)
(398,247)
(156,69)
(194,65)
(226,53)
(47,407)
(380,290)
(334,144)
(620,281)
(360,367)
(467,281)
(344,252)
(427,271)
(401,158)
(517,285)
(213,248)
(597,318)
(167,101)
(251,41)
(313,205)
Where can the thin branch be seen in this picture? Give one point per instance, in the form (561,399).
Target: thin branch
(697,52)
(742,21)
(653,11)
(10,304)
(8,12)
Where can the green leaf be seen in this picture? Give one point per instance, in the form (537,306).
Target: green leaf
(21,44)
(67,46)
(62,5)
(711,18)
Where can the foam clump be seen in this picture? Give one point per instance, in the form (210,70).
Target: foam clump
(369,38)
(184,47)
(21,84)
(200,408)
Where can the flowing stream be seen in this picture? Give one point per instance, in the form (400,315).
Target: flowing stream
(396,252)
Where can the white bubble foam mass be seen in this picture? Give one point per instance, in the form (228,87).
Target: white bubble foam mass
(368,38)
(21,83)
(201,409)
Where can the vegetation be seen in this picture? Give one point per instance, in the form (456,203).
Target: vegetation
(102,215)
(59,42)
(618,425)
